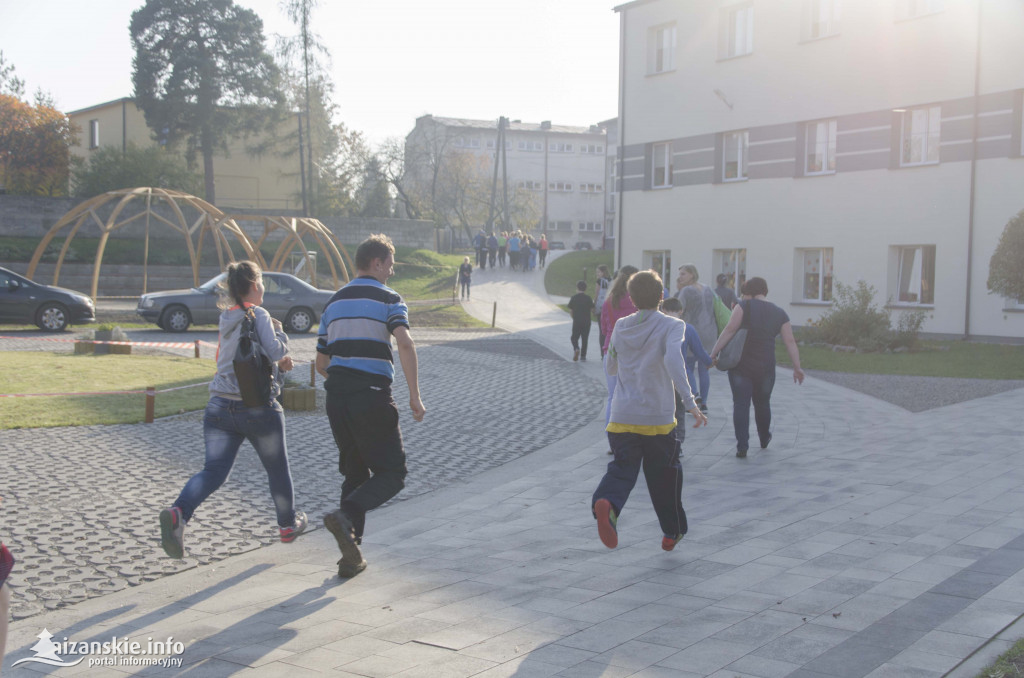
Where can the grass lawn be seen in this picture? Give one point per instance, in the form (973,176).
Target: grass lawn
(963,359)
(422,274)
(1010,663)
(441,316)
(39,372)
(563,273)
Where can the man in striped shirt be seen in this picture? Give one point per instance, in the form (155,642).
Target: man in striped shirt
(354,355)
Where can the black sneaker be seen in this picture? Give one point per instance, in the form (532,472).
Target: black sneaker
(172,531)
(741,452)
(338,524)
(764,443)
(347,570)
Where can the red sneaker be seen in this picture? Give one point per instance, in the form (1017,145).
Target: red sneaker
(606,520)
(669,543)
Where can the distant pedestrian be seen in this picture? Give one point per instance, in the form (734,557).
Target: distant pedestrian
(533,254)
(492,250)
(480,245)
(725,292)
(582,307)
(465,277)
(514,243)
(753,379)
(228,422)
(354,355)
(6,565)
(502,248)
(645,358)
(692,346)
(542,247)
(600,293)
(698,310)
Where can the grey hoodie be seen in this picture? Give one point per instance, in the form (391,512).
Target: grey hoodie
(274,343)
(644,353)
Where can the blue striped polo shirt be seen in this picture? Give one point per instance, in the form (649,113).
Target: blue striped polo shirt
(356,327)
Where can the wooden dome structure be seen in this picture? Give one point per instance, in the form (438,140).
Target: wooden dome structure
(193,219)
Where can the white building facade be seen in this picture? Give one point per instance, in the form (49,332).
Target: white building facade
(815,141)
(564,166)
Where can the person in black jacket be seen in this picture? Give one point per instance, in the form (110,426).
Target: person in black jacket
(581,306)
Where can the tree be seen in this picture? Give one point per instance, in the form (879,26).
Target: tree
(109,169)
(35,147)
(374,198)
(1006,268)
(202,76)
(9,84)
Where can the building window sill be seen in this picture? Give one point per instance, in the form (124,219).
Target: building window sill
(738,180)
(653,74)
(732,57)
(908,306)
(819,38)
(911,165)
(829,173)
(811,302)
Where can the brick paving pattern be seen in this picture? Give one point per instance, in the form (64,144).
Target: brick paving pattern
(81,503)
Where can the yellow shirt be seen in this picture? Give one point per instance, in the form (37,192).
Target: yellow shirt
(641,430)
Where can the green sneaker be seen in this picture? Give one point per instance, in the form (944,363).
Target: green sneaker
(606,520)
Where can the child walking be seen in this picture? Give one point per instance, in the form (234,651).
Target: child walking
(581,306)
(692,350)
(644,354)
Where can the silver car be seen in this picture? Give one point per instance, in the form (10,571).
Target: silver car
(294,302)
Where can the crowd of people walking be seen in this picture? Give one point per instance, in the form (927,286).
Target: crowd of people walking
(522,251)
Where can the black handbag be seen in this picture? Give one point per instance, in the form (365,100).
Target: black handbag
(253,369)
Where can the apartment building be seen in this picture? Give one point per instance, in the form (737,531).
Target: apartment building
(562,165)
(816,141)
(267,183)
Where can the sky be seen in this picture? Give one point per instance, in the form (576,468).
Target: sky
(391,60)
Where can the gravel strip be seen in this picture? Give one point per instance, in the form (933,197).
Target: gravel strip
(917,394)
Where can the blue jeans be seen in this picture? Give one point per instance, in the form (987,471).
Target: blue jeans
(659,457)
(747,388)
(702,373)
(226,423)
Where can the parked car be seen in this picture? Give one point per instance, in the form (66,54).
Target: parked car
(51,308)
(556,245)
(583,245)
(294,302)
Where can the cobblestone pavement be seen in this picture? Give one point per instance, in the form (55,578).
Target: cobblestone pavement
(80,504)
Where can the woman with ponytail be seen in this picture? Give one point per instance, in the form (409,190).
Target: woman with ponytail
(227,421)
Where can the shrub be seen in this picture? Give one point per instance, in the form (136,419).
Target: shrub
(1006,268)
(908,326)
(854,320)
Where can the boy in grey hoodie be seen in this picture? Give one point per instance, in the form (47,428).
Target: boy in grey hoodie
(644,354)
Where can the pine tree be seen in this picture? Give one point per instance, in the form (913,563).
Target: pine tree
(45,648)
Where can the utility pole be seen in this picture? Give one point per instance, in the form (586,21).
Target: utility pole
(504,181)
(499,151)
(302,170)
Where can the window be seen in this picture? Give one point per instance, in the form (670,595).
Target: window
(911,9)
(822,19)
(559,147)
(916,274)
(592,149)
(660,261)
(661,165)
(459,142)
(560,186)
(733,263)
(474,143)
(734,159)
(531,185)
(593,226)
(821,147)
(559,225)
(738,31)
(661,50)
(491,144)
(591,188)
(817,274)
(532,146)
(920,136)
(94,134)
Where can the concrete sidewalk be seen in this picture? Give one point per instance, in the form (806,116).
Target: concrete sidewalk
(866,541)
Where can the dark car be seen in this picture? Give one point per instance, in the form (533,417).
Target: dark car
(556,245)
(294,302)
(583,245)
(51,308)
